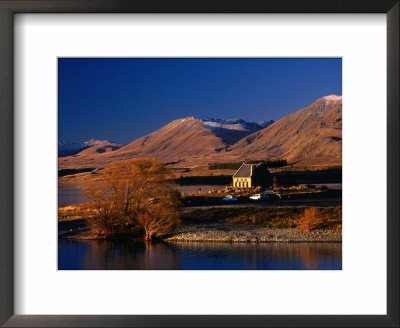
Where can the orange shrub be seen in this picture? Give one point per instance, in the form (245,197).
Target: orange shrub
(312,219)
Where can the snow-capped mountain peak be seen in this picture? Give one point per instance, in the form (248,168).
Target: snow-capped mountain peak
(332,97)
(94,142)
(233,124)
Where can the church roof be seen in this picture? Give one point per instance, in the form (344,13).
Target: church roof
(245,170)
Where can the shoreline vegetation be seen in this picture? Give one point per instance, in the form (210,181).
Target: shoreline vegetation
(245,224)
(136,200)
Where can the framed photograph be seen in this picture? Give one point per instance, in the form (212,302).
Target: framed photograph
(201,184)
(197,164)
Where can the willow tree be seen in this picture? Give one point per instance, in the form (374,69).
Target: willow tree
(127,190)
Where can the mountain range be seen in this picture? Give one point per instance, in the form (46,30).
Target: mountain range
(312,135)
(91,146)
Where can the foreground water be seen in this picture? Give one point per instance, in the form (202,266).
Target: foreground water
(127,255)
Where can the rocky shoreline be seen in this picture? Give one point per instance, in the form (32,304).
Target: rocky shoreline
(225,232)
(216,232)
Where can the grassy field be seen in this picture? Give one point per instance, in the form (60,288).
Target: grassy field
(329,218)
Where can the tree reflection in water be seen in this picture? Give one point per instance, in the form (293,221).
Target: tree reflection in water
(128,255)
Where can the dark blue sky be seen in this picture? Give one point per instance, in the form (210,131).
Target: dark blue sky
(122,99)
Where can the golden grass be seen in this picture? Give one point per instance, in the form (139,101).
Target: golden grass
(272,218)
(73,212)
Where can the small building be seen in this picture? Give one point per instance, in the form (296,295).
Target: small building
(252,175)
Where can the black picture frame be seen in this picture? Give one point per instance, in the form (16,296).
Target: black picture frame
(10,7)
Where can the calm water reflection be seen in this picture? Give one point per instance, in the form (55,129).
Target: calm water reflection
(126,255)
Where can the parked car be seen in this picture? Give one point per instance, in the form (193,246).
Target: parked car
(266,195)
(229,198)
(270,194)
(257,197)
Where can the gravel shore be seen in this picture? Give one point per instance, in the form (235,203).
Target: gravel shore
(225,232)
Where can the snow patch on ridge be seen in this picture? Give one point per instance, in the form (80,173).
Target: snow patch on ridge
(333,97)
(95,142)
(233,124)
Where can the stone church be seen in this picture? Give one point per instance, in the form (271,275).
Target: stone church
(252,175)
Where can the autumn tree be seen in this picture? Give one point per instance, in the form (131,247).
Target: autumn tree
(158,220)
(128,189)
(105,214)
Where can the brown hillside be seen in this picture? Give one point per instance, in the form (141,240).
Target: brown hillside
(182,140)
(310,135)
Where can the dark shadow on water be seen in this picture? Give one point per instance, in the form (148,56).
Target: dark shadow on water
(127,255)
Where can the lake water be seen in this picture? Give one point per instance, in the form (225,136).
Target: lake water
(71,193)
(127,255)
